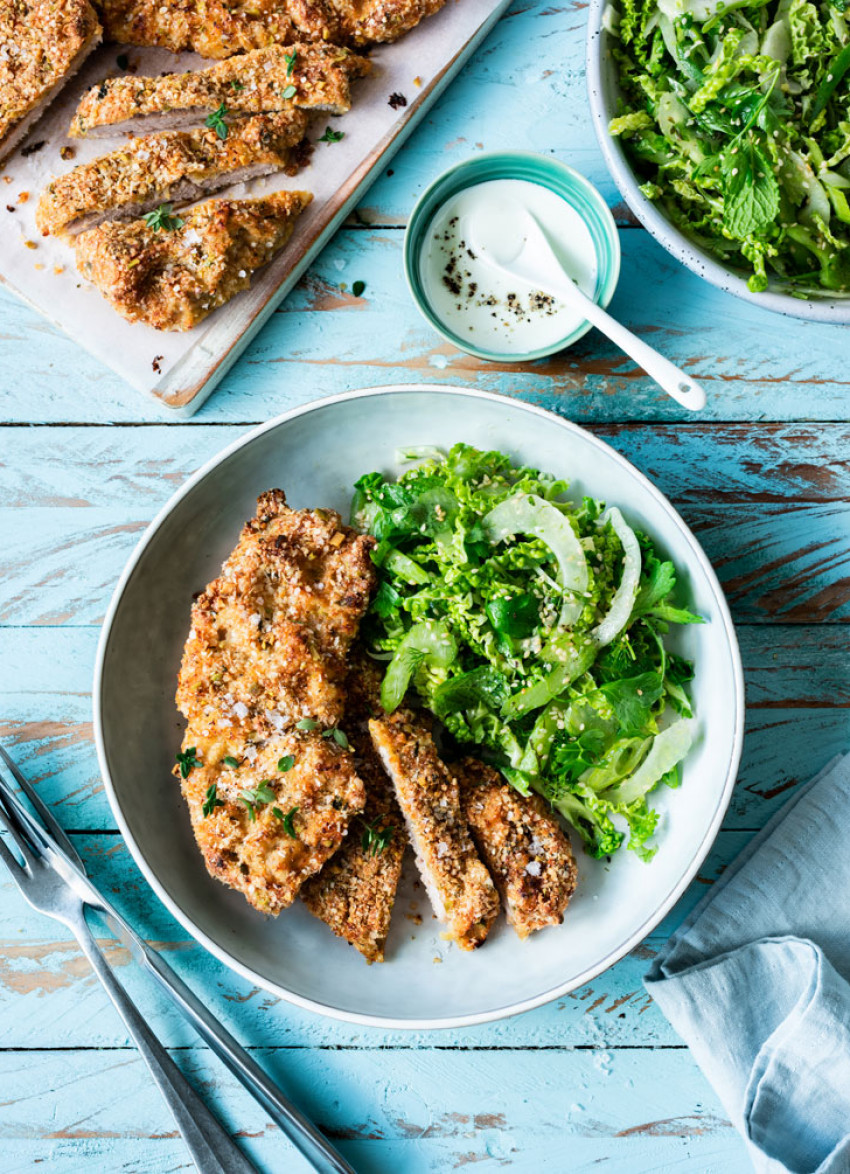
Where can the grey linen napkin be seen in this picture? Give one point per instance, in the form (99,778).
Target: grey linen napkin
(757,983)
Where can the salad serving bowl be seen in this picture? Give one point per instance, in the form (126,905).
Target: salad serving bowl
(315,453)
(603,93)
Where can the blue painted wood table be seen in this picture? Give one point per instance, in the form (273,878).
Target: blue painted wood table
(596,1079)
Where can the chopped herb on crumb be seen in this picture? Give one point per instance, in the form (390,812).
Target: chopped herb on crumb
(164,219)
(187,760)
(215,121)
(286,820)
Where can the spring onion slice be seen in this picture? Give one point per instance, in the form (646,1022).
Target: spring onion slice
(623,602)
(531,515)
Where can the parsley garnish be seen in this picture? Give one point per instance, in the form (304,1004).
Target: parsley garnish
(212,801)
(286,820)
(229,760)
(289,92)
(216,122)
(286,763)
(163,219)
(187,760)
(338,737)
(331,135)
(306,723)
(289,58)
(374,839)
(235,84)
(358,288)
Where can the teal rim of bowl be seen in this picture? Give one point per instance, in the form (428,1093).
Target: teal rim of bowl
(559,178)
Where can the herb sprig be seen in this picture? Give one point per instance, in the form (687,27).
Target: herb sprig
(215,121)
(164,219)
(287,820)
(187,760)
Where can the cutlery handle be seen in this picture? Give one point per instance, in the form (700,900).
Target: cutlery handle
(667,375)
(299,1129)
(212,1149)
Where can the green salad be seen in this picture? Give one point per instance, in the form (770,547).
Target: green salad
(737,115)
(533,628)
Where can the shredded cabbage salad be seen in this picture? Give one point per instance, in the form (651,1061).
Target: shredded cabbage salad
(533,628)
(737,116)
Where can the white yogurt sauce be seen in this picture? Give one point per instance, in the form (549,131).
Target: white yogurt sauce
(492,311)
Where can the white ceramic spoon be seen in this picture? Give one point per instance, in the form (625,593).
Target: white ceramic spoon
(508,237)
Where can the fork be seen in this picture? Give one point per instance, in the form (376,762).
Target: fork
(53,880)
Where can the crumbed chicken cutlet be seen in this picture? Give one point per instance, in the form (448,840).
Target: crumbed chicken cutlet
(261,685)
(215,28)
(458,884)
(523,846)
(171,280)
(355,892)
(263,830)
(42,44)
(175,166)
(261,82)
(270,636)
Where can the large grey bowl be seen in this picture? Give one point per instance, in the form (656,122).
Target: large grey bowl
(315,453)
(603,92)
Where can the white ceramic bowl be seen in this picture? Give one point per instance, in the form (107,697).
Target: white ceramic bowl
(315,453)
(603,93)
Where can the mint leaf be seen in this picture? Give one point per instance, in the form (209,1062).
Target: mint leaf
(750,190)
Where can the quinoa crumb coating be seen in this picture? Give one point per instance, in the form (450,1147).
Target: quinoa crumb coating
(266,845)
(270,636)
(42,44)
(458,884)
(212,28)
(267,650)
(523,846)
(171,280)
(215,28)
(355,892)
(174,166)
(317,77)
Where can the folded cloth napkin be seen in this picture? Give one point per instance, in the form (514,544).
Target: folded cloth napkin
(757,983)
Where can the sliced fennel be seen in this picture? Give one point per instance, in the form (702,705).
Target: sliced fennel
(667,750)
(532,516)
(626,593)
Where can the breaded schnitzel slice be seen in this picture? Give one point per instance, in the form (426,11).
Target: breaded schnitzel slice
(270,636)
(523,846)
(270,783)
(355,892)
(174,167)
(458,884)
(315,77)
(172,276)
(215,28)
(42,45)
(212,28)
(263,829)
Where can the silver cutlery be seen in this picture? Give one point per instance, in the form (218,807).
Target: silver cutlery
(53,880)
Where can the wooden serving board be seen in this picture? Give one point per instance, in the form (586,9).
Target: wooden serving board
(180,370)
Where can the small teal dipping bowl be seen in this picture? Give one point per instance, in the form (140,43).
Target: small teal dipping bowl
(572,187)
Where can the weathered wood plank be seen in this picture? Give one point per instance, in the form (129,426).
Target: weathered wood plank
(635,1111)
(773,510)
(321,342)
(104,467)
